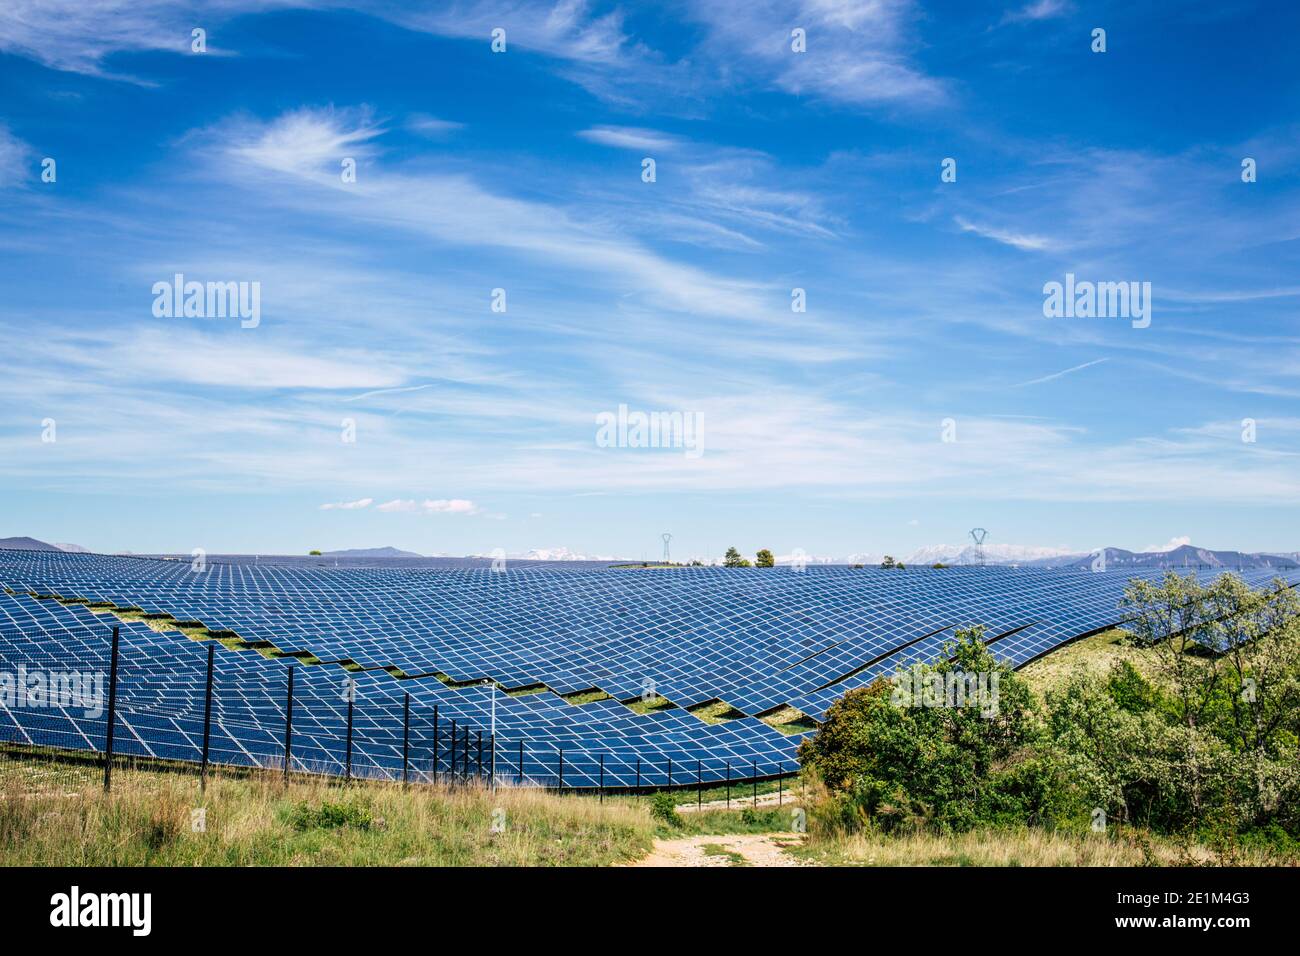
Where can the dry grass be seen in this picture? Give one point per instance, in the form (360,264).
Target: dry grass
(1014,848)
(146,821)
(1097,653)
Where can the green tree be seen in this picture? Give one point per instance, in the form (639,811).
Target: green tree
(314,551)
(732,559)
(889,562)
(764,559)
(893,756)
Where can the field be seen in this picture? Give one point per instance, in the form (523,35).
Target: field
(56,813)
(148,820)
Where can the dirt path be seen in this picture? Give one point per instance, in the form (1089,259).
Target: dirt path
(750,849)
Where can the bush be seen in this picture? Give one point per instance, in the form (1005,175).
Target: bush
(330,816)
(663,807)
(887,760)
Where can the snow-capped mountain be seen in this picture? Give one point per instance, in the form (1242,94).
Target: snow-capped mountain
(993,554)
(558,554)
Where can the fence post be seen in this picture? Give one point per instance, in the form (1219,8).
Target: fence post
(207,721)
(670,771)
(347,768)
(755,783)
(521,763)
(406,739)
(561,767)
(288,728)
(478,769)
(780,785)
(602,778)
(638,776)
(451,766)
(699,787)
(435,743)
(492,763)
(464,770)
(728,784)
(112,714)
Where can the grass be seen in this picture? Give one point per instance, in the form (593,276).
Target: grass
(717,849)
(788,720)
(586,696)
(715,712)
(641,706)
(65,819)
(728,822)
(1018,847)
(258,821)
(1096,653)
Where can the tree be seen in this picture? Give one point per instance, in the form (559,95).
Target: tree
(889,562)
(732,559)
(913,751)
(314,551)
(764,559)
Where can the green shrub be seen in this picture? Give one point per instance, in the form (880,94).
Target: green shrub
(663,807)
(330,816)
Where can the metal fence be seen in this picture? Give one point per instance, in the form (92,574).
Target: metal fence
(76,703)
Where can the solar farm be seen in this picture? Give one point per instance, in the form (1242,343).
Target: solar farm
(528,672)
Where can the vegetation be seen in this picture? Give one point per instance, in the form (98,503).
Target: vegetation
(1191,736)
(764,559)
(663,807)
(715,712)
(732,559)
(148,820)
(889,562)
(314,552)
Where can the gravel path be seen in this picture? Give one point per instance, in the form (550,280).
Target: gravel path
(749,849)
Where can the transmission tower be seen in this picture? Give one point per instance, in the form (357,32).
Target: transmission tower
(978,535)
(667,537)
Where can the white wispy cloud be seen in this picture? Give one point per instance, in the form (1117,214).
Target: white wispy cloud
(453,506)
(1038,10)
(78,35)
(357,505)
(1061,374)
(630,137)
(857,50)
(1019,240)
(1170,545)
(303,140)
(431,126)
(452,207)
(232,358)
(16,158)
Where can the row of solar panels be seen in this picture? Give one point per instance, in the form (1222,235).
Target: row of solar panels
(755,638)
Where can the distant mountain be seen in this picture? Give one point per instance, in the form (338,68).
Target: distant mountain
(558,554)
(1187,556)
(71,548)
(26,544)
(993,554)
(1116,558)
(372,553)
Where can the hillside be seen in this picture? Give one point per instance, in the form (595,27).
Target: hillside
(387,552)
(26,544)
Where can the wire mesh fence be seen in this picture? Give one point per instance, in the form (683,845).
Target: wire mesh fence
(81,703)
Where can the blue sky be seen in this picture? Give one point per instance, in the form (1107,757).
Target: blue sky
(522,171)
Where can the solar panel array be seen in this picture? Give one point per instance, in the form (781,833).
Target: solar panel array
(758,639)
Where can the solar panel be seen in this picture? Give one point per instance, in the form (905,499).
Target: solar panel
(758,639)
